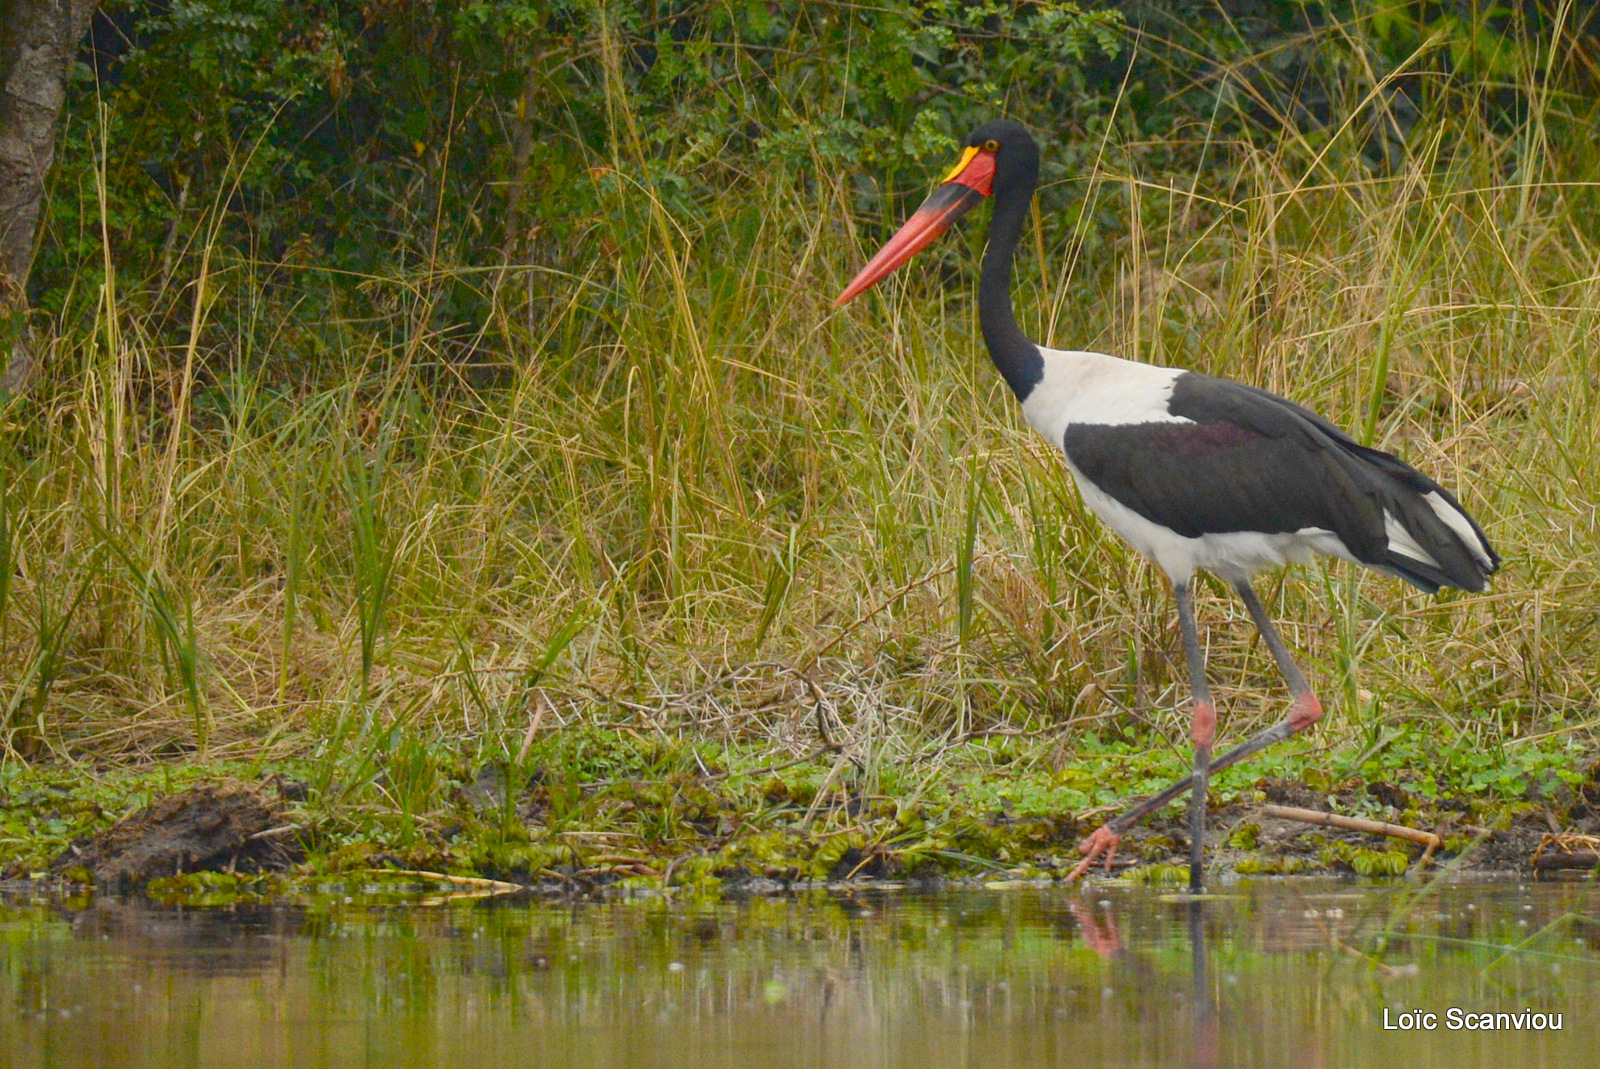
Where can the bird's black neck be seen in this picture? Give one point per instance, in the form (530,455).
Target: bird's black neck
(1017,358)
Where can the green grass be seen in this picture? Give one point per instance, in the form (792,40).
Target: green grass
(697,505)
(595,804)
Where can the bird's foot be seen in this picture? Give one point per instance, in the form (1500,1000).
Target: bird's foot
(1103,841)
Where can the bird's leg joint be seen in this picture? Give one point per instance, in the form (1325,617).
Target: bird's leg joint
(1203,729)
(1306,711)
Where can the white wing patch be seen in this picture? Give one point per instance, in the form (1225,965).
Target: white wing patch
(1453,519)
(1401,542)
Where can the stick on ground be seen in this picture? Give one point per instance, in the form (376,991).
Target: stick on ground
(1428,839)
(477,883)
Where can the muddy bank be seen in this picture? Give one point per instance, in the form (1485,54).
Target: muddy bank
(556,838)
(218,827)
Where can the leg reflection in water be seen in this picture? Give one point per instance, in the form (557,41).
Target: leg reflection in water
(1205,1008)
(1101,936)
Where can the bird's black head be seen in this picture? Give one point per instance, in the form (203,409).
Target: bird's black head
(1015,152)
(998,159)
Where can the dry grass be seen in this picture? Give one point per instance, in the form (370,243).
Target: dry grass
(700,487)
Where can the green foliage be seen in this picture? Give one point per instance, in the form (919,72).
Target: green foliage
(449,387)
(1463,767)
(216,888)
(1288,865)
(1365,861)
(1167,875)
(377,167)
(327,143)
(1476,39)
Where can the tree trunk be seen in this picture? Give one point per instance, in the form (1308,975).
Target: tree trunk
(38,42)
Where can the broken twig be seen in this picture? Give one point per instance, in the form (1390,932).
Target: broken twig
(533,728)
(1576,851)
(1427,839)
(477,883)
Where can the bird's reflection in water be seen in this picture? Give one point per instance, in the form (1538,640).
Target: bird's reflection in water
(1098,930)
(1205,1007)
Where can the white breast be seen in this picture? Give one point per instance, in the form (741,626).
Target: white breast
(1098,389)
(1234,555)
(1092,388)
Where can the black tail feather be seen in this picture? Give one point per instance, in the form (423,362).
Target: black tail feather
(1426,579)
(1442,530)
(1404,493)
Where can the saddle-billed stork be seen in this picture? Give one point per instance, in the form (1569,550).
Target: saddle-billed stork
(1195,472)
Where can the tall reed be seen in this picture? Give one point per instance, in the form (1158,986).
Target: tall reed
(695,500)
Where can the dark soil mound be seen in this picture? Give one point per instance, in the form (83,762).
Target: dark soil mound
(215,827)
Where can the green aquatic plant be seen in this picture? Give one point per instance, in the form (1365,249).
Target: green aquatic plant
(1365,861)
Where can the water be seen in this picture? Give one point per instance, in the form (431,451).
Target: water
(1273,973)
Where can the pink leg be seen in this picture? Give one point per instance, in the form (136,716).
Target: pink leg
(1202,732)
(1304,712)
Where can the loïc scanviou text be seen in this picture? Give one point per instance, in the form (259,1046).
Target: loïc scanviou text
(1456,1019)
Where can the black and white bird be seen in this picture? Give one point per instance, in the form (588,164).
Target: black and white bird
(1195,472)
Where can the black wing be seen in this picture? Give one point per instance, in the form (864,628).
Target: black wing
(1252,461)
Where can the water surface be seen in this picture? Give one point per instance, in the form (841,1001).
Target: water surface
(1272,973)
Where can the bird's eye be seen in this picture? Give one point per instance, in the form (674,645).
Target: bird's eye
(991,145)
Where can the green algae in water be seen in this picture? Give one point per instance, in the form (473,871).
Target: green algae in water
(1291,972)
